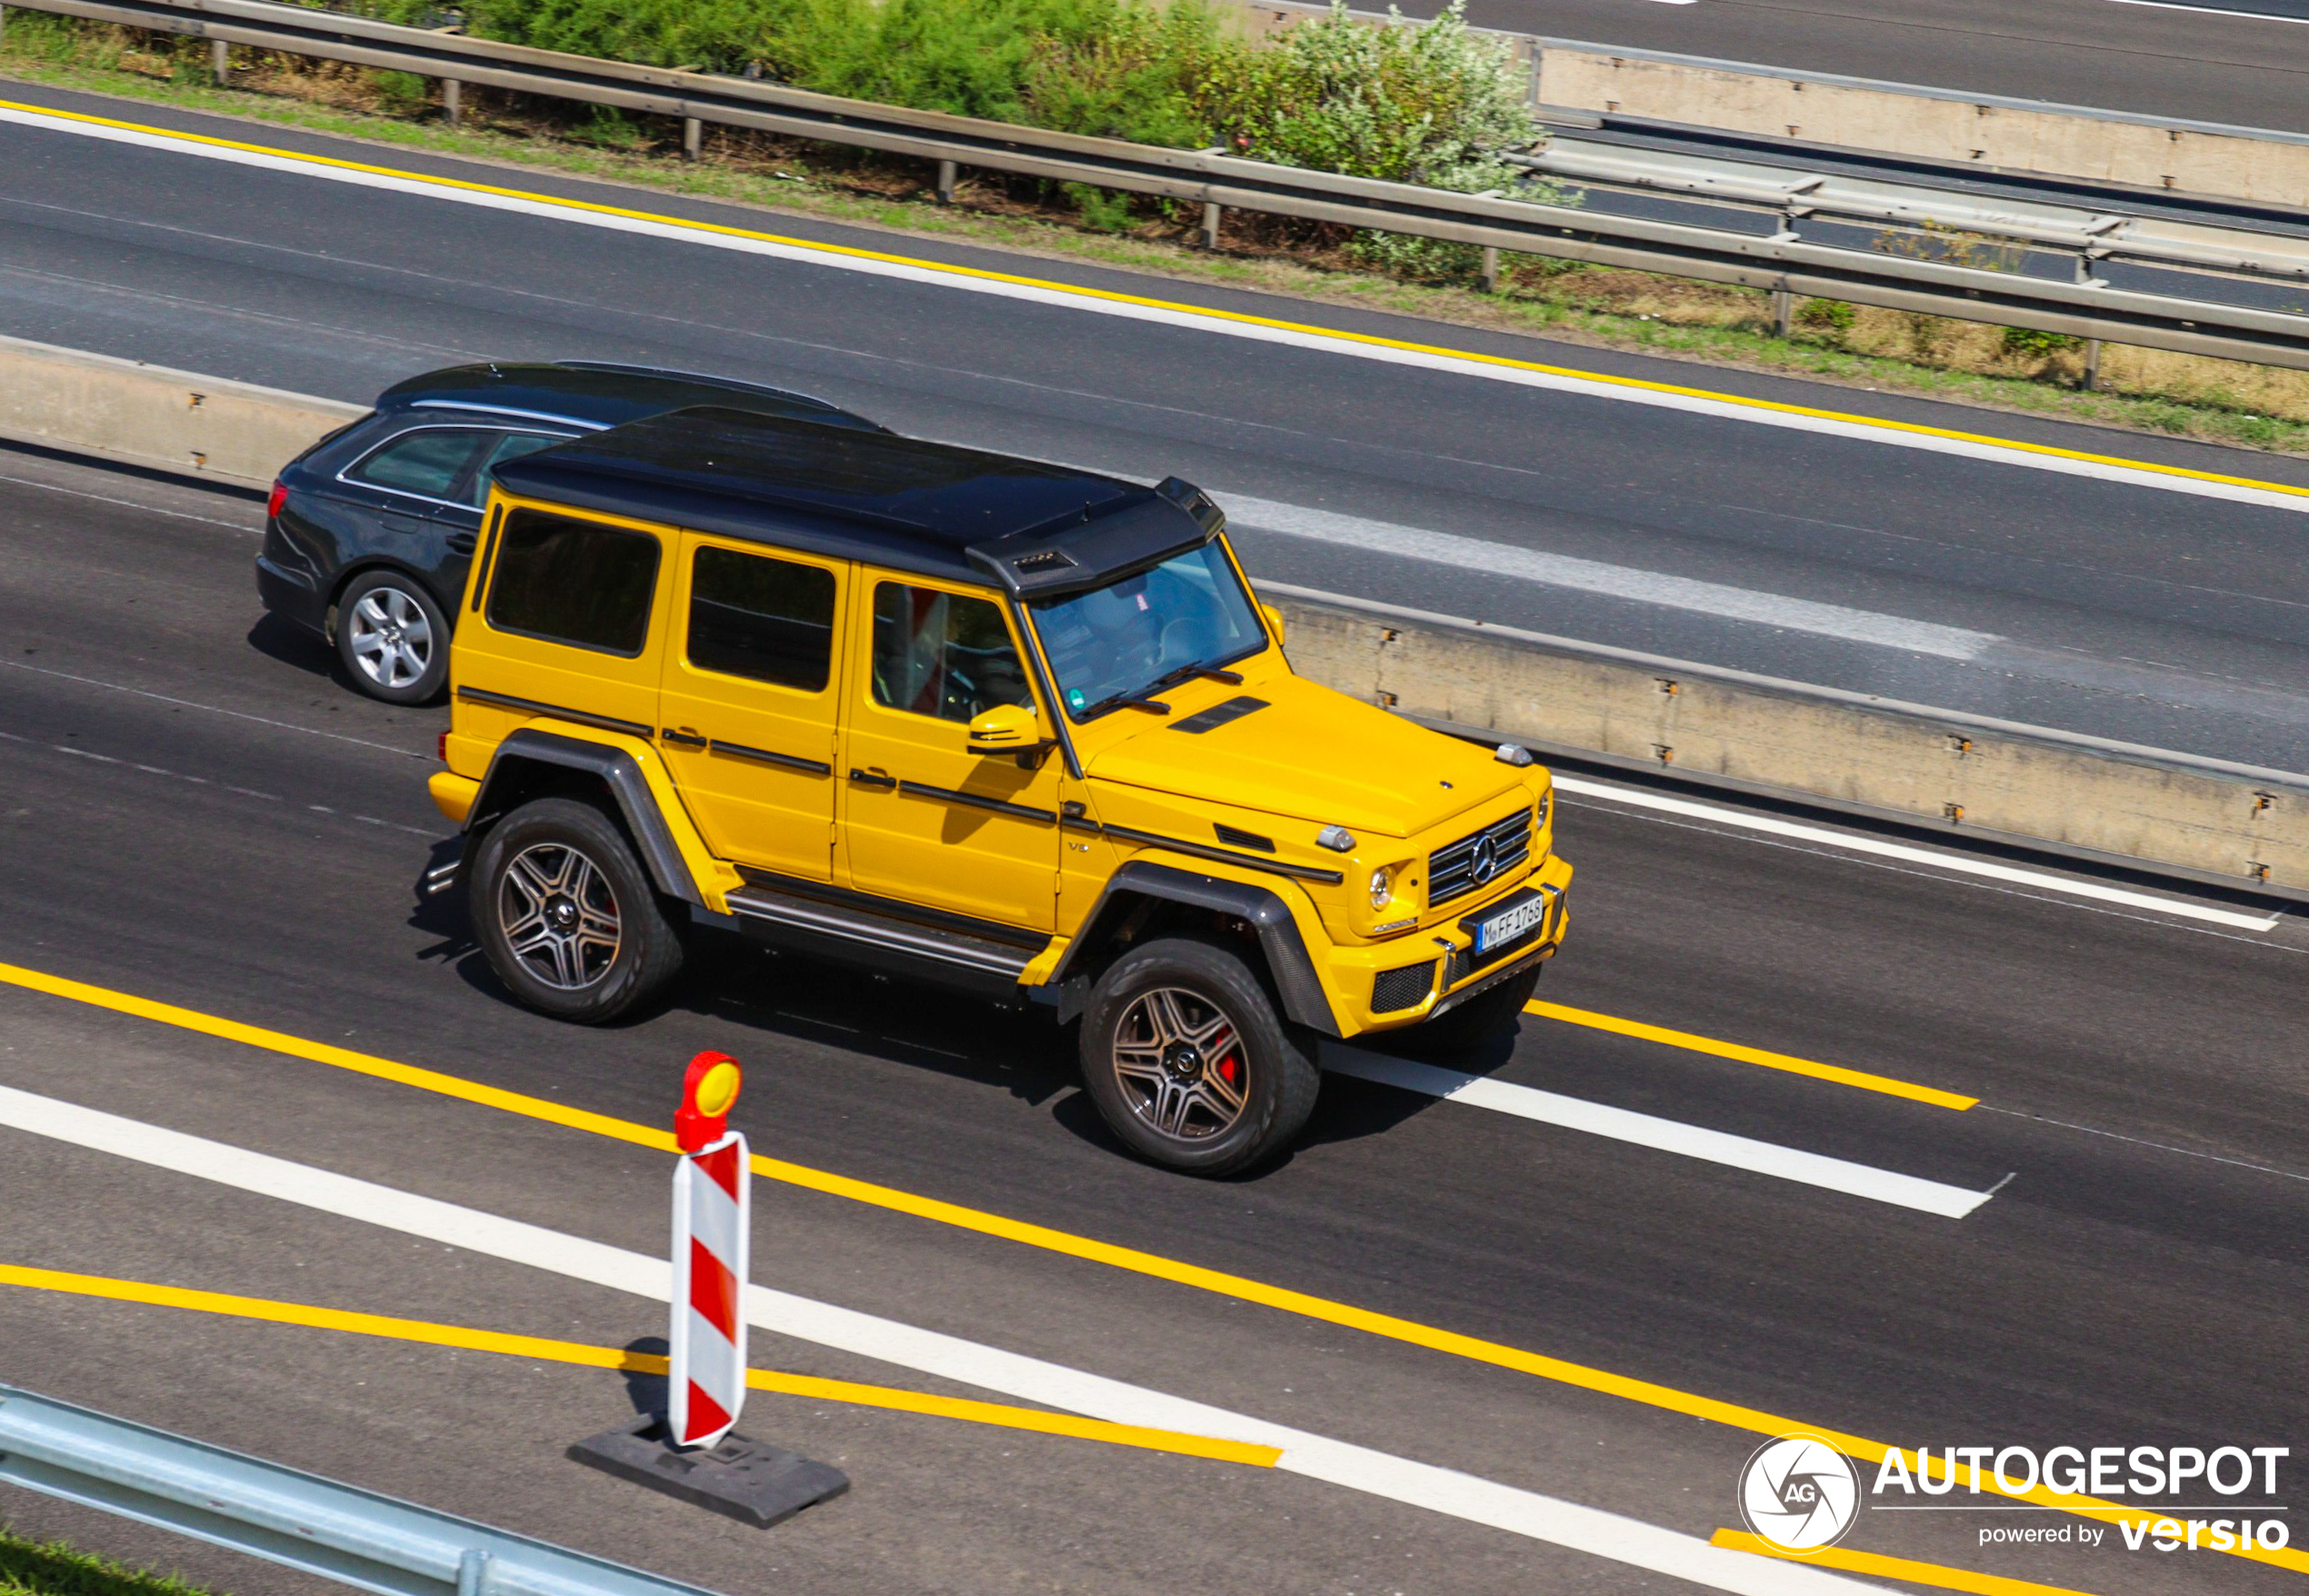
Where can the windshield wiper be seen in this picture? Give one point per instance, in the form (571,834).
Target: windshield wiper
(1144,698)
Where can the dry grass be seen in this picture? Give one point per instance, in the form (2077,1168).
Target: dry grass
(2149,390)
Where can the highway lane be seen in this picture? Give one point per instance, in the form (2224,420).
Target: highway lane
(2181,60)
(2148,615)
(2138,1291)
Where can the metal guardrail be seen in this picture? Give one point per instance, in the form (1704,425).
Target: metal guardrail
(1784,262)
(338,1531)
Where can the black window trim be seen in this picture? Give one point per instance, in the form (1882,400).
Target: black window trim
(1029,657)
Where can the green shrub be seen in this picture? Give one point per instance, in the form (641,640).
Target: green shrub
(403,93)
(2028,344)
(1832,319)
(1102,210)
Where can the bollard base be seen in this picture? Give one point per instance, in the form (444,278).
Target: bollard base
(750,1480)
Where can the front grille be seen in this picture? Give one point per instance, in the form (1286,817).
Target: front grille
(1392,989)
(1453,872)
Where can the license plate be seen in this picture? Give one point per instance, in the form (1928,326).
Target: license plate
(1513,919)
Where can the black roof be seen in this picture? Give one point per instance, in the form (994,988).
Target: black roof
(599,392)
(935,508)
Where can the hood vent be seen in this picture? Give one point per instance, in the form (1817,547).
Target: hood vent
(1219,714)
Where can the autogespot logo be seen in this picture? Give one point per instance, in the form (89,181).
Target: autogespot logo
(1799,1493)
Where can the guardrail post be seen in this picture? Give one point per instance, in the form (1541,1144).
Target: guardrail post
(453,101)
(1491,268)
(1211,214)
(946,183)
(220,62)
(2092,363)
(1784,312)
(693,136)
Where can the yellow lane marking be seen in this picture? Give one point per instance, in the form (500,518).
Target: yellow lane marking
(1894,1567)
(561,1352)
(1176,307)
(1751,1055)
(1238,1287)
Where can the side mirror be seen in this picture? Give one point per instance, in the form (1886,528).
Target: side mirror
(1007,728)
(1274,622)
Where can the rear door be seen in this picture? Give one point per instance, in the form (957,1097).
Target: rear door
(748,704)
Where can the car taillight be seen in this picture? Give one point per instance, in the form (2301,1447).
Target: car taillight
(441,749)
(280,497)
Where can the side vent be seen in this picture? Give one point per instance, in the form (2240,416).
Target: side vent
(1236,839)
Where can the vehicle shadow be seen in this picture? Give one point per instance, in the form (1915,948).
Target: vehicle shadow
(290,645)
(1351,1108)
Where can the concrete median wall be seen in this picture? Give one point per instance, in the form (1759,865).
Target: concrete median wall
(1967,774)
(150,415)
(2167,811)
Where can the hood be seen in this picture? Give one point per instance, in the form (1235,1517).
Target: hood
(1311,754)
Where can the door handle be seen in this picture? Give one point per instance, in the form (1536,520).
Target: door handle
(462,543)
(684,738)
(872,778)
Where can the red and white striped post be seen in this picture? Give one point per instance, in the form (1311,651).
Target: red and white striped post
(712,1229)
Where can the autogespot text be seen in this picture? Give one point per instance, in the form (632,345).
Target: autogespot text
(2109,1474)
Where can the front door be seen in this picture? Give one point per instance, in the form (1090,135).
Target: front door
(747,709)
(926,821)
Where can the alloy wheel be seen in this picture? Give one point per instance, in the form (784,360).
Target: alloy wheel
(1182,1064)
(391,640)
(559,915)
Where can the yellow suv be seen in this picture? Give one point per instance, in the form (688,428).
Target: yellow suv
(1002,725)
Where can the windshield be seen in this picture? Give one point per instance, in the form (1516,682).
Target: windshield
(1145,632)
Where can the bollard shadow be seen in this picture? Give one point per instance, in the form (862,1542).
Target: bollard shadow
(650,1394)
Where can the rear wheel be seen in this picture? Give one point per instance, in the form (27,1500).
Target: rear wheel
(567,916)
(1189,1061)
(393,638)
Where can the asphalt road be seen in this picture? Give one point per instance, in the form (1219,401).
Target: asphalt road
(193,810)
(2199,62)
(1990,584)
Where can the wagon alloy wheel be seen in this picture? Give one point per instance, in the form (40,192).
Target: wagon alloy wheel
(391,640)
(559,914)
(1182,1061)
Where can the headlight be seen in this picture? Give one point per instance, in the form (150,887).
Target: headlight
(1539,810)
(1382,883)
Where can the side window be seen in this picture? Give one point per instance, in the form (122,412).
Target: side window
(770,620)
(942,653)
(427,461)
(508,446)
(573,582)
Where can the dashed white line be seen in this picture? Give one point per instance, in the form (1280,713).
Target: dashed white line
(1466,1497)
(1577,1113)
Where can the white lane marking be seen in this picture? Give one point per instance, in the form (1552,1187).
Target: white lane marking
(1357,1468)
(1577,1113)
(1725,407)
(49,487)
(1626,581)
(1961,864)
(212,709)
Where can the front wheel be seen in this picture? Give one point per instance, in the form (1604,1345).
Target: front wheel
(567,916)
(1189,1062)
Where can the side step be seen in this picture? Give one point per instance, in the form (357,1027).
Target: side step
(859,934)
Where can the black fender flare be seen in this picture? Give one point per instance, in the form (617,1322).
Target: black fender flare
(1263,909)
(619,771)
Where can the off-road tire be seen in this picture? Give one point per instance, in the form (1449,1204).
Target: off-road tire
(1470,1025)
(1136,1091)
(559,848)
(387,626)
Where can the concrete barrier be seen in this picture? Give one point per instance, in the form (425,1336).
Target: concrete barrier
(2204,818)
(153,416)
(2175,813)
(1929,124)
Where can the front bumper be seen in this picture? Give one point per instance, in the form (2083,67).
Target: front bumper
(1389,985)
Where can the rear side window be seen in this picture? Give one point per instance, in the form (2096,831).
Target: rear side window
(769,620)
(575,582)
(427,461)
(506,446)
(942,653)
